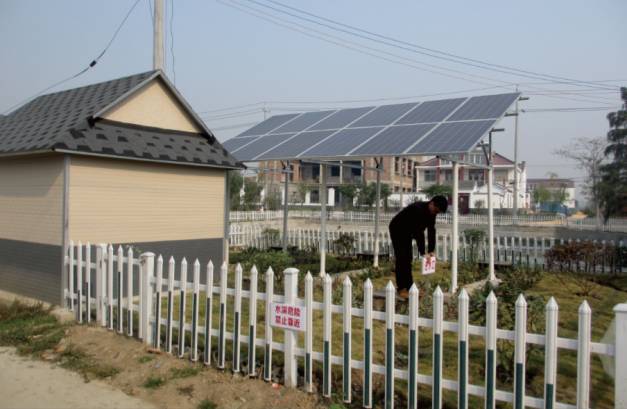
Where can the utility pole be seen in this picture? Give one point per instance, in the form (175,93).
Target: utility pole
(516,173)
(157,51)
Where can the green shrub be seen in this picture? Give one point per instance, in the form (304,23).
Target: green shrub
(207,404)
(154,382)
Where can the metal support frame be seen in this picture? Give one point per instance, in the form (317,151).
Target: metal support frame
(375,262)
(286,168)
(492,276)
(455,238)
(323,219)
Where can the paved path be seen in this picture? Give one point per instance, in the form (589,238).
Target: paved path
(31,384)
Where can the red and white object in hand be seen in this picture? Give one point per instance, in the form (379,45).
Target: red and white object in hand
(428,264)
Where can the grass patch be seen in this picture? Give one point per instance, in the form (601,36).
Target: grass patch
(29,328)
(154,382)
(144,359)
(77,360)
(207,404)
(179,373)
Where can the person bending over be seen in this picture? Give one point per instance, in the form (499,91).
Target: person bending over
(407,225)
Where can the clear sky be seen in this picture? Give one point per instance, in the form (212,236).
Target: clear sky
(226,58)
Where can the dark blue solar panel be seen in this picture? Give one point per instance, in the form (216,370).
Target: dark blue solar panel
(262,144)
(340,119)
(484,107)
(303,122)
(342,142)
(431,111)
(236,143)
(384,115)
(292,148)
(268,125)
(452,137)
(393,140)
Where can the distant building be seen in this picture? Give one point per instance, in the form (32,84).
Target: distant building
(473,189)
(554,186)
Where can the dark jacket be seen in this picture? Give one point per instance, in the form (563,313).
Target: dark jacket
(412,221)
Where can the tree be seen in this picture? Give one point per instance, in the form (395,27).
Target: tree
(435,190)
(589,154)
(368,194)
(541,195)
(348,192)
(303,189)
(613,186)
(252,193)
(236,181)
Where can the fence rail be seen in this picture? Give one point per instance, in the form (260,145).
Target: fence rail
(612,225)
(520,249)
(113,306)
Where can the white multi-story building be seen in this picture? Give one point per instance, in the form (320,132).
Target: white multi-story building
(473,189)
(554,186)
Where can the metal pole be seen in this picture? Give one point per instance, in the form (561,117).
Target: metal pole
(402,170)
(492,277)
(515,213)
(285,204)
(157,51)
(376,215)
(323,217)
(455,227)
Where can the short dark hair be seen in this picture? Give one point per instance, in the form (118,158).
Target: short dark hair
(440,202)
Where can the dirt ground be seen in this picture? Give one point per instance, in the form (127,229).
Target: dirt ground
(26,383)
(226,390)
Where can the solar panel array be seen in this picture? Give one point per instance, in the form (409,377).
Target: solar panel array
(445,126)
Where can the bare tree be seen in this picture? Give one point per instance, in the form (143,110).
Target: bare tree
(589,154)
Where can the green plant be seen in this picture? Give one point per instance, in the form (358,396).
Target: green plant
(344,243)
(145,358)
(271,235)
(438,190)
(207,404)
(77,360)
(154,382)
(186,372)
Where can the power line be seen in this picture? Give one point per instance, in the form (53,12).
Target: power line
(359,47)
(84,70)
(569,109)
(443,55)
(344,42)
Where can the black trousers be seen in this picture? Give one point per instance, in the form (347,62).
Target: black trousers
(402,243)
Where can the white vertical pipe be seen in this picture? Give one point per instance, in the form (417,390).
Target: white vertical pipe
(438,316)
(267,367)
(347,298)
(455,237)
(620,356)
(158,293)
(550,353)
(222,330)
(208,313)
(583,356)
(129,290)
(147,261)
(520,351)
(195,301)
(237,310)
(110,285)
(462,337)
(492,276)
(376,215)
(326,336)
(323,219)
(99,287)
(71,276)
(367,398)
(252,322)
(79,281)
(291,292)
(490,366)
(412,353)
(120,275)
(88,281)
(182,302)
(309,332)
(171,267)
(390,299)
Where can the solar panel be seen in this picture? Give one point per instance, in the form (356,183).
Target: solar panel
(393,140)
(340,119)
(452,125)
(293,147)
(235,143)
(342,142)
(452,137)
(303,122)
(384,115)
(431,111)
(268,125)
(484,107)
(260,145)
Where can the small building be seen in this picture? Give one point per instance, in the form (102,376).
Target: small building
(125,162)
(473,181)
(557,188)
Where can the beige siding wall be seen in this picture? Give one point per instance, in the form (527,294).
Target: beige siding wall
(119,201)
(154,106)
(31,199)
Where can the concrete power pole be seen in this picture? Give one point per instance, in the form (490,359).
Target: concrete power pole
(516,172)
(157,53)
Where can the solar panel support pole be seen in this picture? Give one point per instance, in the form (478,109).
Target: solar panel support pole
(455,239)
(323,219)
(286,168)
(492,276)
(375,262)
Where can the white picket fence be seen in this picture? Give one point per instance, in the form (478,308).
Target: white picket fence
(113,309)
(519,249)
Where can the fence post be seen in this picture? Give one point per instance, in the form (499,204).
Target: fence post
(490,345)
(620,356)
(147,261)
(390,300)
(326,334)
(583,356)
(129,291)
(412,367)
(438,315)
(196,286)
(71,276)
(291,291)
(208,313)
(252,322)
(520,352)
(308,331)
(550,354)
(462,337)
(88,281)
(158,290)
(237,316)
(367,399)
(110,286)
(346,367)
(267,358)
(99,258)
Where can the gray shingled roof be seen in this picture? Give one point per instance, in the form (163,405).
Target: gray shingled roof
(64,121)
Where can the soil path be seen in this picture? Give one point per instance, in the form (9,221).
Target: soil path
(33,384)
